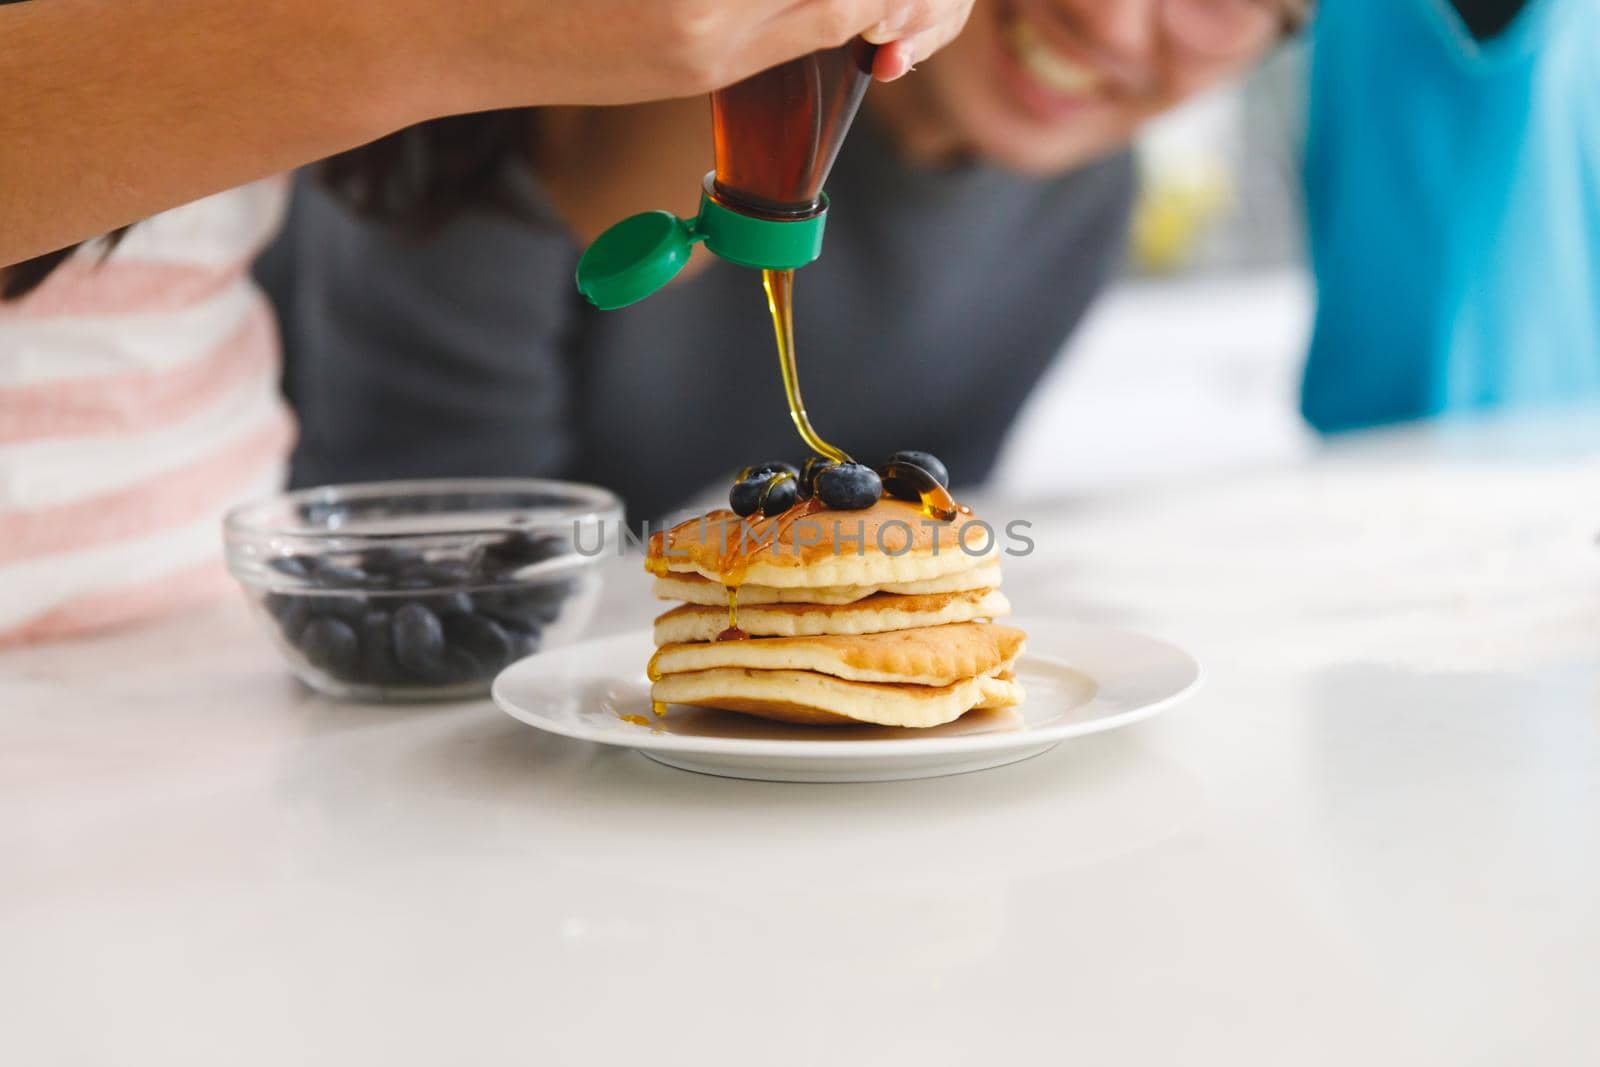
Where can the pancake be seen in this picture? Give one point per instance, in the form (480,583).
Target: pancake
(927,656)
(878,613)
(818,699)
(878,616)
(697,589)
(809,547)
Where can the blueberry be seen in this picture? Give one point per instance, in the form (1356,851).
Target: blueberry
(459,665)
(524,644)
(294,566)
(526,609)
(378,666)
(526,619)
(330,644)
(351,608)
(519,620)
(330,575)
(452,666)
(484,639)
(768,469)
(769,492)
(277,604)
(927,461)
(780,493)
(519,549)
(907,481)
(386,561)
(444,603)
(423,574)
(745,496)
(544,611)
(293,615)
(849,486)
(543,603)
(418,639)
(505,596)
(808,475)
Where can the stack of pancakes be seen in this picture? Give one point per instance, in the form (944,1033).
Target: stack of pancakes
(875,616)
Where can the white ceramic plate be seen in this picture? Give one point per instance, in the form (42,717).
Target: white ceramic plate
(1080,679)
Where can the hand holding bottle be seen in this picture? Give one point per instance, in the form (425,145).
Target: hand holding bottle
(509,53)
(926,27)
(104,127)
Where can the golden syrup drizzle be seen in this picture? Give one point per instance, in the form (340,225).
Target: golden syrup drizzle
(731,561)
(802,510)
(771,537)
(736,554)
(732,633)
(657,707)
(937,503)
(779,285)
(637,720)
(775,479)
(742,539)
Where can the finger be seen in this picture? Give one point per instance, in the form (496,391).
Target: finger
(893,60)
(946,29)
(805,26)
(923,45)
(941,19)
(905,18)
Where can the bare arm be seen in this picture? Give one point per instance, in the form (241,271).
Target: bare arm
(113,111)
(116,111)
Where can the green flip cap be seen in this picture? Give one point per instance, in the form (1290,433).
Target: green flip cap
(644,252)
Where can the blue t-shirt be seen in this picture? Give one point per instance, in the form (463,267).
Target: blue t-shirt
(1453,195)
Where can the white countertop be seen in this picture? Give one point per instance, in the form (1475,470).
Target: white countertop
(1373,838)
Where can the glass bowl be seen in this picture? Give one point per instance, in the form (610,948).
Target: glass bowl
(421,590)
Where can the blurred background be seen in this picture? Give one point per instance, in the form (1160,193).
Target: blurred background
(1191,362)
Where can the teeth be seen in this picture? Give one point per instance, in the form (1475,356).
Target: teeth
(1050,67)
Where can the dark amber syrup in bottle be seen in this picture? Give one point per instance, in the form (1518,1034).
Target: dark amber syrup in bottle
(777,133)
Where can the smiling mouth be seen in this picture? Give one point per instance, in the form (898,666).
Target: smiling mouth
(1040,60)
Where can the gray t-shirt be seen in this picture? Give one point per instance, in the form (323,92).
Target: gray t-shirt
(939,300)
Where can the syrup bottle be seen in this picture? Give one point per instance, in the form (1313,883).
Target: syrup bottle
(776,134)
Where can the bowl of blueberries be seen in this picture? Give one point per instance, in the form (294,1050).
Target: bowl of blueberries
(421,590)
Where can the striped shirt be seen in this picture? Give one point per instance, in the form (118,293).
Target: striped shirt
(138,401)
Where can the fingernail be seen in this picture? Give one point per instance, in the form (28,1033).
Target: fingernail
(898,65)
